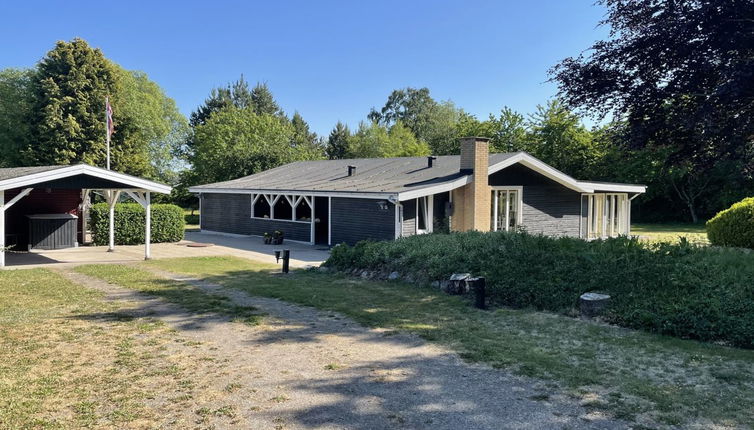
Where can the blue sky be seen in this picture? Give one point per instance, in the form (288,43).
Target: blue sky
(329,60)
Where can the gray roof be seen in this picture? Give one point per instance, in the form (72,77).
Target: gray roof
(17,172)
(373,175)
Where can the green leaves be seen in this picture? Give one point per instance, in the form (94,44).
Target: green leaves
(733,226)
(375,141)
(675,289)
(167,223)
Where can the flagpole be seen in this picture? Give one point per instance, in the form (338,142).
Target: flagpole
(107,130)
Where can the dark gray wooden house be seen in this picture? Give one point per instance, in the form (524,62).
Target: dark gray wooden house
(344,201)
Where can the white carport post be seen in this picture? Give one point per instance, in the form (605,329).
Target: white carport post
(145,200)
(148,232)
(112,198)
(2,228)
(3,207)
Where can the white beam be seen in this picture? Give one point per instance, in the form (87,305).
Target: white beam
(25,192)
(112,198)
(312,218)
(148,222)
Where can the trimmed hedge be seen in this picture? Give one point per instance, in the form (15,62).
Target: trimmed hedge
(675,289)
(733,226)
(167,223)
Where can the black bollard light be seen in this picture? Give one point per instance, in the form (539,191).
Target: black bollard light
(286,259)
(479,287)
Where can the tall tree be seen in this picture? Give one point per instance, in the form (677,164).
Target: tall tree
(236,94)
(238,142)
(303,137)
(337,142)
(67,116)
(507,131)
(376,141)
(158,126)
(263,102)
(15,108)
(430,121)
(681,74)
(557,137)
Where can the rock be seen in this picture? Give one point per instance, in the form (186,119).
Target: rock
(394,276)
(593,304)
(366,274)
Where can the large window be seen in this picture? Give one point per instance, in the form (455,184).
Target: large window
(282,207)
(506,209)
(607,215)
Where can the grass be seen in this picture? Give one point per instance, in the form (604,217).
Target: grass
(186,296)
(68,359)
(192,220)
(650,379)
(671,232)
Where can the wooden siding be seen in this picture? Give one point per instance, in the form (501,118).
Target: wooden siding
(39,201)
(408,228)
(355,219)
(231,213)
(548,207)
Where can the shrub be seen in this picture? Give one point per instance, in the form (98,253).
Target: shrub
(675,289)
(733,226)
(167,223)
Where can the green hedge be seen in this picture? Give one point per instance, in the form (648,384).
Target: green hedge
(674,289)
(167,223)
(733,226)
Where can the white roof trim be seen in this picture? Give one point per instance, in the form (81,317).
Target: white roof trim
(79,169)
(541,167)
(440,188)
(619,188)
(363,195)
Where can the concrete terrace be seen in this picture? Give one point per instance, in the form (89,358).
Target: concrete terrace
(250,247)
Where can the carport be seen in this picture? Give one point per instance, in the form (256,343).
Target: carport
(57,199)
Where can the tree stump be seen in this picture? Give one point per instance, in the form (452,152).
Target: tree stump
(593,304)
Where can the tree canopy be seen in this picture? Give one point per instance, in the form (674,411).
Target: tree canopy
(55,114)
(680,74)
(372,140)
(236,142)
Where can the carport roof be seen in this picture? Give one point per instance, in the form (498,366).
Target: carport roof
(74,175)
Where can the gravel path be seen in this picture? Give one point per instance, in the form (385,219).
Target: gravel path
(305,369)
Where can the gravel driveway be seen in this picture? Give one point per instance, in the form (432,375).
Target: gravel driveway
(305,369)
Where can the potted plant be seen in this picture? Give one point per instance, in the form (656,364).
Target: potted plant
(267,238)
(277,237)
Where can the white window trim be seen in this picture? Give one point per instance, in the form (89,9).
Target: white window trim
(428,215)
(519,189)
(619,204)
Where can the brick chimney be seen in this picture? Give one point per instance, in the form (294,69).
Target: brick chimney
(471,203)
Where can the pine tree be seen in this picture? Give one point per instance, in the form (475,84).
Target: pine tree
(68,113)
(263,102)
(337,142)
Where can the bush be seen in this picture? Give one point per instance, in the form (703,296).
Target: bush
(167,223)
(675,289)
(733,226)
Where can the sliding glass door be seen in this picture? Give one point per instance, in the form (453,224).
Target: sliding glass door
(506,209)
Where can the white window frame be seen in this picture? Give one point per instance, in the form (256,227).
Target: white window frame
(429,203)
(519,205)
(608,215)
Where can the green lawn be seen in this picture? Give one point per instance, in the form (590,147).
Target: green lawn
(671,232)
(192,220)
(68,359)
(652,380)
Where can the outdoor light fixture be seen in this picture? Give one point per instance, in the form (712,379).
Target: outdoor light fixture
(382,204)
